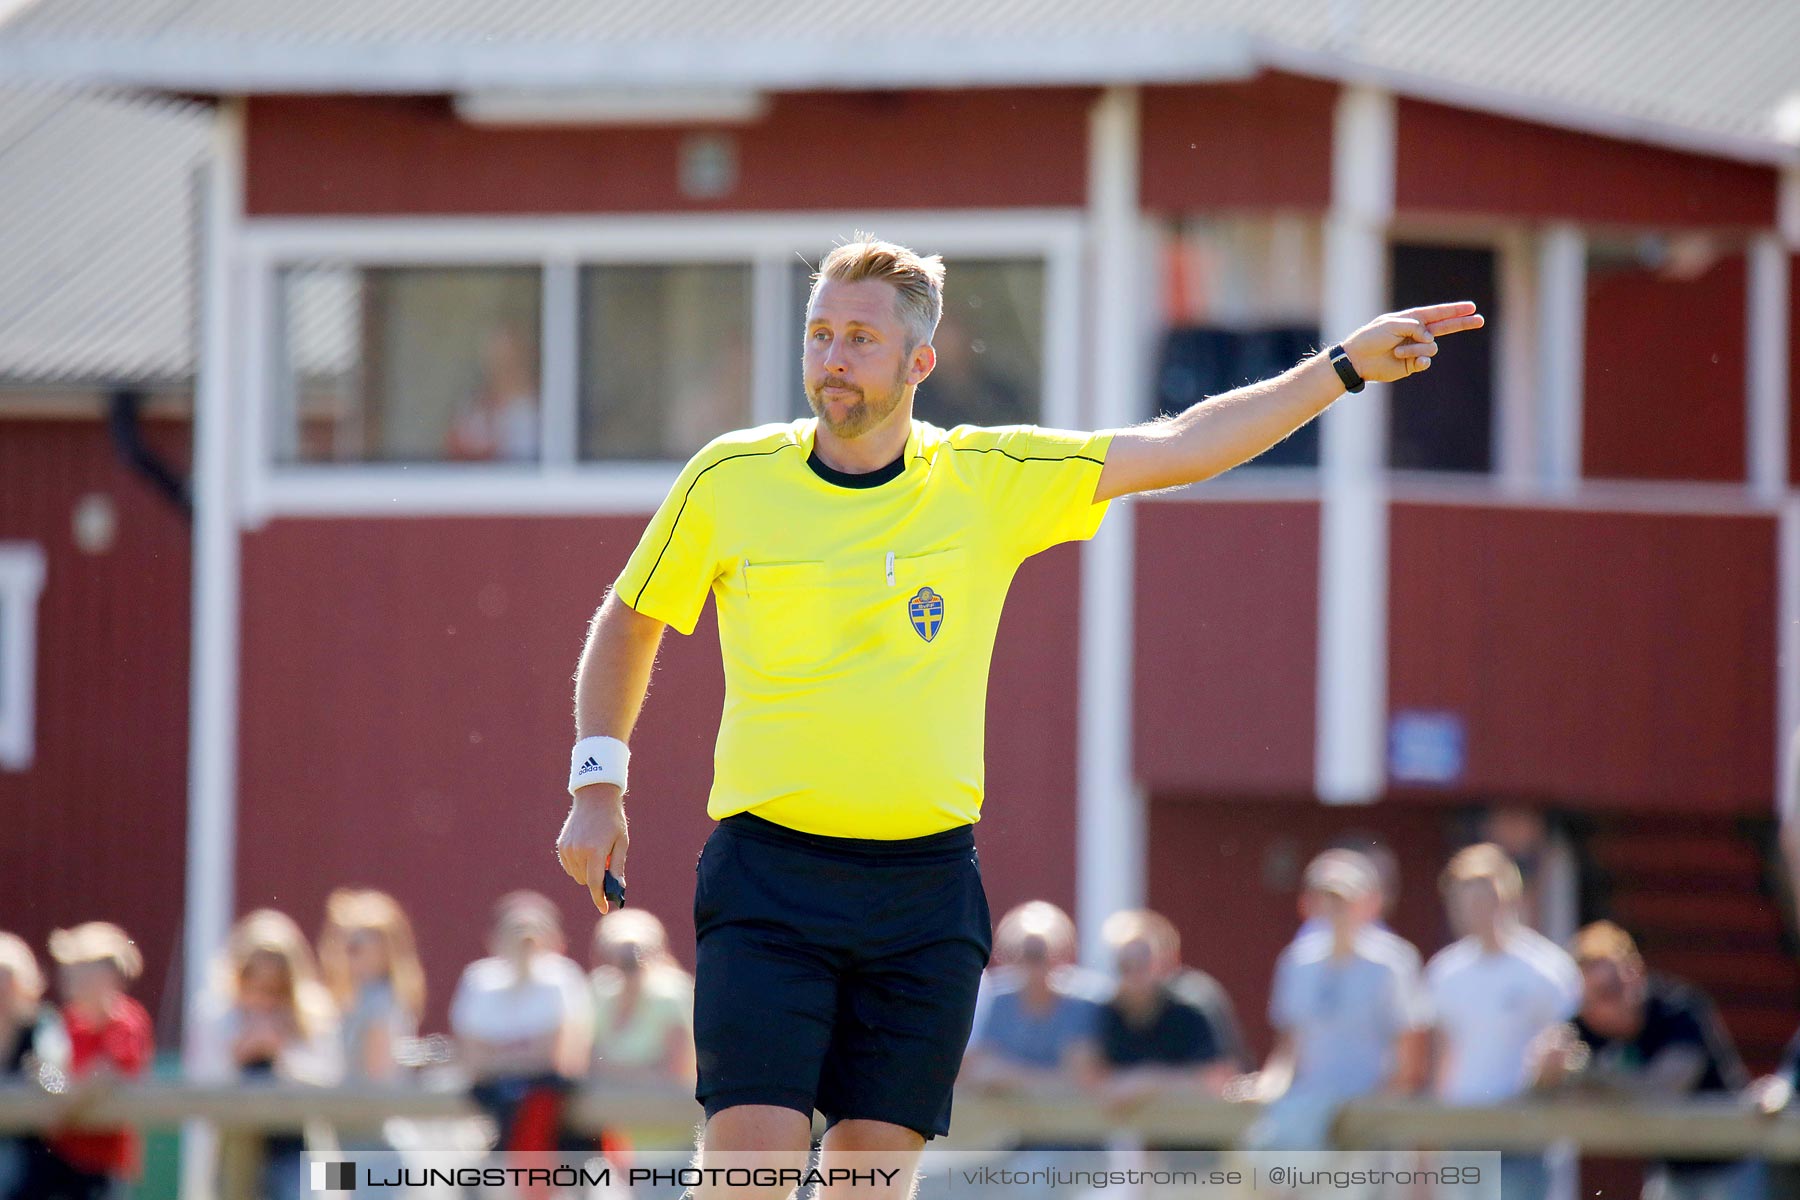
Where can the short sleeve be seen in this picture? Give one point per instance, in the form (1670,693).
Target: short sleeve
(1284,999)
(670,573)
(463,1002)
(1039,483)
(1412,1001)
(1196,1042)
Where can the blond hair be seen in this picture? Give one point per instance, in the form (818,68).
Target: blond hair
(1141,924)
(16,956)
(1603,941)
(1040,919)
(271,934)
(98,941)
(917,279)
(637,928)
(351,911)
(1483,861)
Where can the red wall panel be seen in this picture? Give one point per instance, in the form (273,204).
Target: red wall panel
(1261,144)
(1602,660)
(1227,873)
(318,155)
(406,717)
(96,828)
(1663,385)
(1453,160)
(1225,630)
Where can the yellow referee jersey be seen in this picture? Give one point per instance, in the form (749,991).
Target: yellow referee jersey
(856,623)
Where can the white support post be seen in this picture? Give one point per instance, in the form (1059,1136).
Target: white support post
(1766,376)
(1351,737)
(1517,430)
(1787,669)
(1110,808)
(213,687)
(1562,340)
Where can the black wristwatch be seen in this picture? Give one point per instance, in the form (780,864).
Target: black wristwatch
(1340,362)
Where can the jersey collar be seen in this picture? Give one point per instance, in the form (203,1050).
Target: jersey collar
(882,475)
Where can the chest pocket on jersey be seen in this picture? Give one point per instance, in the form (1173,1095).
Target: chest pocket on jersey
(931,594)
(785,605)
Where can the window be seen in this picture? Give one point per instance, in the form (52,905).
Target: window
(451,366)
(990,345)
(1240,298)
(665,358)
(409,364)
(21,580)
(1443,420)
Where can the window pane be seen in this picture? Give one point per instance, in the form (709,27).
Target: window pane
(1443,420)
(665,358)
(1240,303)
(409,364)
(990,345)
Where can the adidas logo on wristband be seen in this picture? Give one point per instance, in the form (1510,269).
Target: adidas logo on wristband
(589,766)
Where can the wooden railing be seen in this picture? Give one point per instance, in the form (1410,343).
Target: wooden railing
(1713,1129)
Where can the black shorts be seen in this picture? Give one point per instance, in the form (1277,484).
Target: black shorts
(836,973)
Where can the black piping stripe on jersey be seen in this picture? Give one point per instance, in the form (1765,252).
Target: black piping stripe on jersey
(673,525)
(1027,458)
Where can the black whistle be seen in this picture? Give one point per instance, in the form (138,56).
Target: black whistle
(613,890)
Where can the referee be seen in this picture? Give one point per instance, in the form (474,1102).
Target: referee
(859,561)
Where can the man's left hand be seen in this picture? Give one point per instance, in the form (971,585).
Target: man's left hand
(1399,344)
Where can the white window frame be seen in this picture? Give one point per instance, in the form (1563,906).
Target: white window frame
(21,583)
(559,482)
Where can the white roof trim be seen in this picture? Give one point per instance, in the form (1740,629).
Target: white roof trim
(243,66)
(226,66)
(1525,107)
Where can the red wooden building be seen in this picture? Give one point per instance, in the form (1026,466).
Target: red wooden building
(468,296)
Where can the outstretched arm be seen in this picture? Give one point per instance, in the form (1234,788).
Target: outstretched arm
(610,685)
(1220,432)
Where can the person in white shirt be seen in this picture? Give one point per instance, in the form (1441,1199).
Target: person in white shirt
(523,1020)
(1347,1006)
(1496,992)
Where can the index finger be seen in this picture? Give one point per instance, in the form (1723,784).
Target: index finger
(1438,312)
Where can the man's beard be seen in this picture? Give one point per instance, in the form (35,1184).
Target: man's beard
(860,414)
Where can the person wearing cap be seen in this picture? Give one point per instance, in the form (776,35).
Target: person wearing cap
(109,1039)
(1495,993)
(1347,1006)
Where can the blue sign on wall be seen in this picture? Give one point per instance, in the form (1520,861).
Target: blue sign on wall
(1426,747)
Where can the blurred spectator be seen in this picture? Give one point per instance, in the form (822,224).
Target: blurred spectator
(500,421)
(1039,1021)
(1153,1044)
(1387,869)
(269,1018)
(1495,993)
(1349,1011)
(524,1024)
(1546,898)
(32,1040)
(643,1003)
(1647,1037)
(109,1039)
(371,966)
(1774,1095)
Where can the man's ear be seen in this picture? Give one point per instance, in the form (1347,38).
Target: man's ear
(924,361)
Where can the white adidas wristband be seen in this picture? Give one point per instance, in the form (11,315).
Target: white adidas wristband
(598,760)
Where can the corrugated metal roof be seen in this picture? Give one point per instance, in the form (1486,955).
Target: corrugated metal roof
(1654,68)
(96,248)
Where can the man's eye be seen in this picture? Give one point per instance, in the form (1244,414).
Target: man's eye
(861,337)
